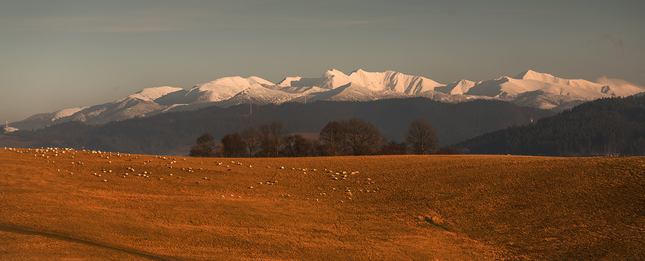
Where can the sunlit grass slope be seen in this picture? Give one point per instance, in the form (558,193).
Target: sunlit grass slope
(80,205)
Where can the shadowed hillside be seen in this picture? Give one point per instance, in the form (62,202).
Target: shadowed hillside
(612,126)
(162,133)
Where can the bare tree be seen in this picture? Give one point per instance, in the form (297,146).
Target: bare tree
(205,146)
(298,146)
(233,145)
(362,137)
(319,148)
(266,143)
(392,147)
(279,134)
(272,137)
(252,138)
(422,137)
(334,137)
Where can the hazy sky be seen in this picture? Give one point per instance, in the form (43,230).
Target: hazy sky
(57,54)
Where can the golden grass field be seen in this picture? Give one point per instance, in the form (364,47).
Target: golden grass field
(55,206)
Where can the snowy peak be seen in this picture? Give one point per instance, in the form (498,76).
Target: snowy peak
(373,81)
(333,73)
(392,81)
(298,81)
(529,88)
(151,94)
(289,81)
(456,88)
(619,87)
(233,83)
(332,79)
(222,89)
(66,113)
(545,77)
(533,75)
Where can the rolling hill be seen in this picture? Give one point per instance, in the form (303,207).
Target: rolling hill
(83,205)
(611,126)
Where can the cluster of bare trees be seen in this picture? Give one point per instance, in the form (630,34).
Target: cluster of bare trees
(346,137)
(265,140)
(350,137)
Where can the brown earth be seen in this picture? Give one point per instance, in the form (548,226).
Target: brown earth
(55,206)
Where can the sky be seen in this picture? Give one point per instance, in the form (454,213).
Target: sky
(57,54)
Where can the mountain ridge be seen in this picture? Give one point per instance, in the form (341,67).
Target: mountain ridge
(529,88)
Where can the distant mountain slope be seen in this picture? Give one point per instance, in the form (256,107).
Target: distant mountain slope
(529,88)
(166,132)
(612,126)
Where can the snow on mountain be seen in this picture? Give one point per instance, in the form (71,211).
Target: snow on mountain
(528,88)
(221,89)
(298,82)
(546,91)
(545,77)
(151,94)
(258,95)
(547,101)
(116,111)
(509,87)
(620,87)
(456,88)
(64,113)
(374,81)
(332,79)
(347,92)
(392,81)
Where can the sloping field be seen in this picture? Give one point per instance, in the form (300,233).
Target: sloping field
(79,205)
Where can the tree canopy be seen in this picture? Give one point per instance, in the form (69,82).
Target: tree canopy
(422,137)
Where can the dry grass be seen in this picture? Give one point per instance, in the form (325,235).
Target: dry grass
(417,208)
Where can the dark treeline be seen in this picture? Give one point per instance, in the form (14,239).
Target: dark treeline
(345,137)
(167,132)
(611,126)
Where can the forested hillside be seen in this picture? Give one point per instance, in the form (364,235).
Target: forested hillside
(162,133)
(611,126)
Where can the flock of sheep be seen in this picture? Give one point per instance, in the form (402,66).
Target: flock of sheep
(341,178)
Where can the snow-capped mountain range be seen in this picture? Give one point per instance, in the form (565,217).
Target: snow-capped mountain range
(529,88)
